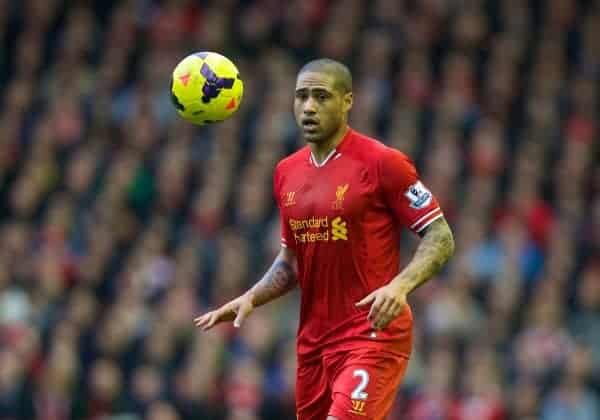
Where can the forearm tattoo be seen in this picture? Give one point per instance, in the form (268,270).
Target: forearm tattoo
(434,250)
(276,282)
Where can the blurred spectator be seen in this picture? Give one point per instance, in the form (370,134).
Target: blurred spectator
(15,389)
(103,393)
(572,399)
(436,399)
(584,321)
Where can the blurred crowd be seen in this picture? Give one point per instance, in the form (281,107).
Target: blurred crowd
(119,222)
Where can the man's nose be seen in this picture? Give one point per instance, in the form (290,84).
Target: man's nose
(309,107)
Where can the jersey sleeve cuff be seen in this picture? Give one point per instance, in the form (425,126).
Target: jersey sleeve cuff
(426,220)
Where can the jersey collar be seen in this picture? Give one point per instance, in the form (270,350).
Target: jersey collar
(334,154)
(313,161)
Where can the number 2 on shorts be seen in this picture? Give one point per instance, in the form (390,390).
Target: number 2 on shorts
(358,393)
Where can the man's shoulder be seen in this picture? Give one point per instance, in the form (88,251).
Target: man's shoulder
(299,157)
(371,149)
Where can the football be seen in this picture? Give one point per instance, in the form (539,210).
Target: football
(206,88)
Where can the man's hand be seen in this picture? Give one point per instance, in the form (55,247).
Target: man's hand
(436,246)
(236,310)
(277,281)
(387,303)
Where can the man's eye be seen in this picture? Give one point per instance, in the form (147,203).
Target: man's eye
(322,97)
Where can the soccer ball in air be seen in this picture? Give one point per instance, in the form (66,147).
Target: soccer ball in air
(206,88)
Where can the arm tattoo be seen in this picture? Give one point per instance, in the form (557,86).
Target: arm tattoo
(434,250)
(280,279)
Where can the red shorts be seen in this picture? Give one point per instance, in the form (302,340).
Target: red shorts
(359,384)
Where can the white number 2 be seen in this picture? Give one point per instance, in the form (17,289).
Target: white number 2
(358,393)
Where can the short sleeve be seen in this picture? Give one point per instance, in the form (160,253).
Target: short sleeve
(287,237)
(410,201)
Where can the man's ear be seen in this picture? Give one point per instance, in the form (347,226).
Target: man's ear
(348,101)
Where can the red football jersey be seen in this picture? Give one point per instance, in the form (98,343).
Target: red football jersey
(343,219)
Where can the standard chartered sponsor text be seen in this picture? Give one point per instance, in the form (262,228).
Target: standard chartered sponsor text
(312,237)
(310,223)
(318,234)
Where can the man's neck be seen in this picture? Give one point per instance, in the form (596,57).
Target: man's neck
(320,151)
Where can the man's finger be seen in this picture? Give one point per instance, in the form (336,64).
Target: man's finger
(210,322)
(202,323)
(386,308)
(214,318)
(242,313)
(382,316)
(201,320)
(375,308)
(382,323)
(367,299)
(388,314)
(398,309)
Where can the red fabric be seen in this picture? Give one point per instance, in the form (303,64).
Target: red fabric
(343,219)
(361,384)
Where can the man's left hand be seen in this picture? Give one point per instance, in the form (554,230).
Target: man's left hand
(387,303)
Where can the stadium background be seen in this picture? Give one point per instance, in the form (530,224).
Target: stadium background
(119,222)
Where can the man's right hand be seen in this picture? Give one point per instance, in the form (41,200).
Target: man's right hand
(236,310)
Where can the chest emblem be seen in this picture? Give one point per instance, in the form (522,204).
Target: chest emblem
(288,199)
(338,204)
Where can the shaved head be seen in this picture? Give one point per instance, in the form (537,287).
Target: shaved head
(340,73)
(323,97)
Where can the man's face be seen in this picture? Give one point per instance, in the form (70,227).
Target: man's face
(319,107)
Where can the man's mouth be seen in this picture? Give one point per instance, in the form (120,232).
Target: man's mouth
(310,124)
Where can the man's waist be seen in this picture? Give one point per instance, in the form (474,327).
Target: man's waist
(354,332)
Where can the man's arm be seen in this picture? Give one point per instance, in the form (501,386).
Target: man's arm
(434,250)
(277,281)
